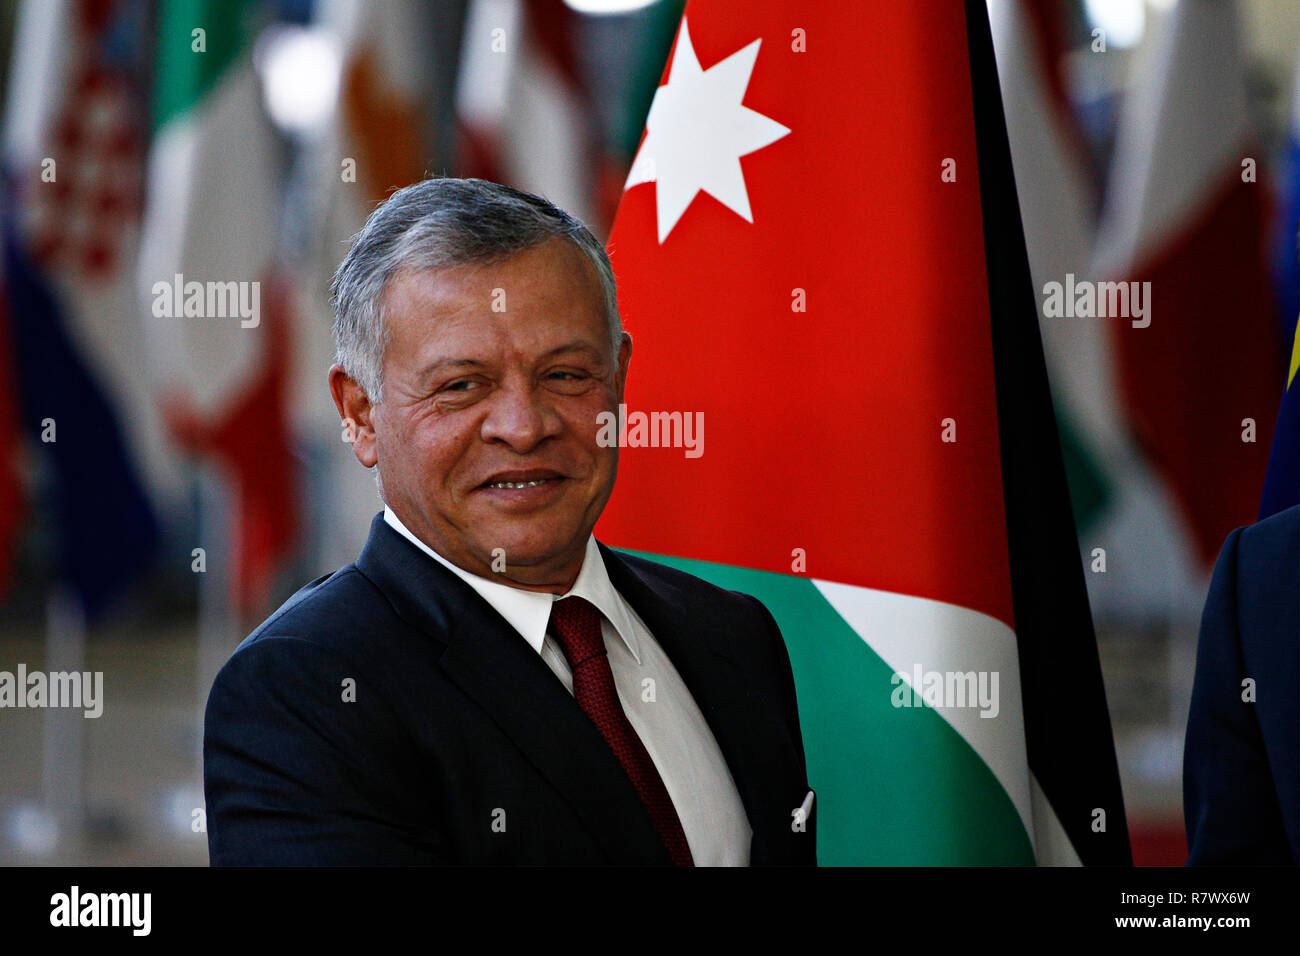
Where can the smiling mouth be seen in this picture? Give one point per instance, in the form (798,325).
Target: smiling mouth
(518,484)
(522,479)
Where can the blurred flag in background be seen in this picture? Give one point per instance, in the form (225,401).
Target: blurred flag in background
(1058,206)
(387,122)
(73,143)
(211,229)
(1286,268)
(1186,211)
(525,114)
(1282,480)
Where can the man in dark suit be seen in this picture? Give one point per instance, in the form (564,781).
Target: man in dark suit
(1241,765)
(487,683)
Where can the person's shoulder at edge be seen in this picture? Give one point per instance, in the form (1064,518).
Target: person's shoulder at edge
(339,622)
(337,611)
(1249,626)
(328,622)
(1272,537)
(301,755)
(317,602)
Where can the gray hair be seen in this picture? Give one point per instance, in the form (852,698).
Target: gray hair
(434,224)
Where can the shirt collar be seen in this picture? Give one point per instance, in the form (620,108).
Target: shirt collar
(528,612)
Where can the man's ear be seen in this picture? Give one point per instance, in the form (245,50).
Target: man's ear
(357,414)
(624,357)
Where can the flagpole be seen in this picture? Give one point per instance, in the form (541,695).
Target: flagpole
(64,737)
(214,631)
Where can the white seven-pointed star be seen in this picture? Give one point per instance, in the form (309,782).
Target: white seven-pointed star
(697,131)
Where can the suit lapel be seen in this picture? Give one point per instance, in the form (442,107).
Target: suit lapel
(493,665)
(701,648)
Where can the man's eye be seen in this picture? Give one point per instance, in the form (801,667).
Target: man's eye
(563,376)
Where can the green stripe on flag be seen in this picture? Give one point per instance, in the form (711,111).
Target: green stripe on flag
(654,45)
(185,75)
(895,786)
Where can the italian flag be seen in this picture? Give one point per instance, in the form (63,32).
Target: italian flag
(819,252)
(212,215)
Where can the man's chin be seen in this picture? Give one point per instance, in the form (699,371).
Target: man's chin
(539,548)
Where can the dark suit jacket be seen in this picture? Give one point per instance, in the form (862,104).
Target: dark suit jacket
(1241,793)
(461,745)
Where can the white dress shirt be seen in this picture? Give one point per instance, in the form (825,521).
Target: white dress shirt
(655,698)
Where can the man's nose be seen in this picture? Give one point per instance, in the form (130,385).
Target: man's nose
(520,417)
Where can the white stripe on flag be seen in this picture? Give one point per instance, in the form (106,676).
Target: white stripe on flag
(906,631)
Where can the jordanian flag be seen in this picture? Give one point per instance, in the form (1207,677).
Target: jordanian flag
(820,259)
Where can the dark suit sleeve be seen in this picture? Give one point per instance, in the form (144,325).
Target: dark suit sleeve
(296,775)
(1229,800)
(785,676)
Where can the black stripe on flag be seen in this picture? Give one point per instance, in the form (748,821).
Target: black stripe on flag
(1067,726)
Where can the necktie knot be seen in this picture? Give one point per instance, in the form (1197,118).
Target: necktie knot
(575,622)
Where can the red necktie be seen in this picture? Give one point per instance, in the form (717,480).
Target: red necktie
(575,623)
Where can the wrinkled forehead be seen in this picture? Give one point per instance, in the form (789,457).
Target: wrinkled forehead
(547,290)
